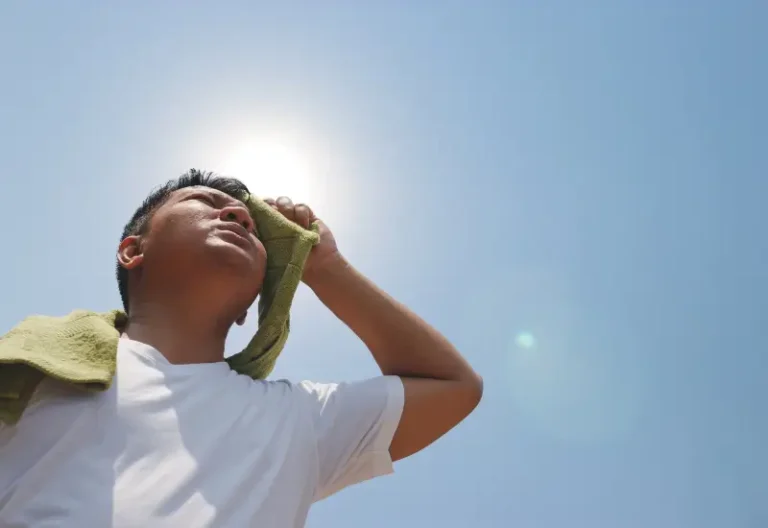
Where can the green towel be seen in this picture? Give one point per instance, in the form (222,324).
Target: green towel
(81,347)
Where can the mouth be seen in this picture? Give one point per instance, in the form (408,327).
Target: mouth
(232,228)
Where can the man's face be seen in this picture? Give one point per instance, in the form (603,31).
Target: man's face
(201,234)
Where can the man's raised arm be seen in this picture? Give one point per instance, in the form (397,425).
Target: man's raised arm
(441,389)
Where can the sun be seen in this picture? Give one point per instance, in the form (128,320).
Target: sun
(272,169)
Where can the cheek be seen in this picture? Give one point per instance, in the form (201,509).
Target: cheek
(261,255)
(177,235)
(182,226)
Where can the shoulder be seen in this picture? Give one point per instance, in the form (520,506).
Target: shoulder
(323,392)
(285,393)
(288,392)
(328,402)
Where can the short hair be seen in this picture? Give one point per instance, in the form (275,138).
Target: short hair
(139,222)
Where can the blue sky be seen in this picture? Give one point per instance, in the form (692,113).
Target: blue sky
(569,190)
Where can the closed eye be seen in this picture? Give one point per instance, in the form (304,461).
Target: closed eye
(206,199)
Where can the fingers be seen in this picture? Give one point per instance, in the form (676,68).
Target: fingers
(303,215)
(300,214)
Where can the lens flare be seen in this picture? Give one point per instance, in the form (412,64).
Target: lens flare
(525,340)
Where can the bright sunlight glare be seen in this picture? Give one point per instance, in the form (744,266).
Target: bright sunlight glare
(273,169)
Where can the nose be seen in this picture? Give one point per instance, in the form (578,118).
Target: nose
(239,215)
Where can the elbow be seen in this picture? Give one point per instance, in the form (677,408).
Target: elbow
(478,389)
(474,388)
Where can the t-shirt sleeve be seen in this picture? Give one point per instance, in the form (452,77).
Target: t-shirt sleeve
(354,425)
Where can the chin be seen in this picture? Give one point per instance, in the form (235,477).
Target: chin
(235,259)
(237,263)
(242,282)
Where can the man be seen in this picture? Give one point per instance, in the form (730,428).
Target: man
(180,439)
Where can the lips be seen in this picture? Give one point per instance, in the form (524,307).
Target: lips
(235,229)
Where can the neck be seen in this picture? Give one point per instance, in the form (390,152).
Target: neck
(181,336)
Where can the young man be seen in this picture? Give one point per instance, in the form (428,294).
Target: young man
(180,439)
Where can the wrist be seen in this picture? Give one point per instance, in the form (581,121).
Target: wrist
(327,269)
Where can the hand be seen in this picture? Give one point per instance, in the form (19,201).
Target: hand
(325,253)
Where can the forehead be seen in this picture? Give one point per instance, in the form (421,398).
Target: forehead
(220,197)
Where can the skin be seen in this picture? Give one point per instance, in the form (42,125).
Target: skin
(191,280)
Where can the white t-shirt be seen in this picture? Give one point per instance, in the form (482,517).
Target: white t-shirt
(191,445)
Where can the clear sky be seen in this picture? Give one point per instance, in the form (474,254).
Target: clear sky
(571,191)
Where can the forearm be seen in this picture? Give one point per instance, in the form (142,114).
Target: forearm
(400,341)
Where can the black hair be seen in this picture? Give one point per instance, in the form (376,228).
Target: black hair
(139,222)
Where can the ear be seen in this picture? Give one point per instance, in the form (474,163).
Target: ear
(241,320)
(129,253)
